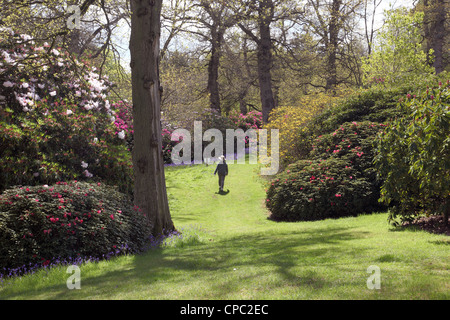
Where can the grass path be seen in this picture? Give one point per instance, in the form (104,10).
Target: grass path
(230,250)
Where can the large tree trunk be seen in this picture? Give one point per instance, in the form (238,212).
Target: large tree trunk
(213,68)
(435,31)
(149,184)
(332,46)
(265,58)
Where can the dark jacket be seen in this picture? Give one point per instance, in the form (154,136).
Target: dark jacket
(222,169)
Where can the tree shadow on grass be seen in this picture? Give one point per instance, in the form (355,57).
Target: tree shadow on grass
(288,256)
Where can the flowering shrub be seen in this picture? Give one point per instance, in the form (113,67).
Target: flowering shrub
(292,120)
(250,120)
(338,181)
(67,220)
(376,104)
(414,156)
(56,121)
(352,142)
(168,144)
(318,189)
(123,121)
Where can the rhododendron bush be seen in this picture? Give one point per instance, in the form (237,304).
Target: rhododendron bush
(414,156)
(339,179)
(57,122)
(250,120)
(42,224)
(292,120)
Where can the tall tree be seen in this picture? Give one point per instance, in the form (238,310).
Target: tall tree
(370,11)
(398,56)
(150,193)
(436,24)
(216,18)
(257,22)
(265,12)
(175,20)
(327,18)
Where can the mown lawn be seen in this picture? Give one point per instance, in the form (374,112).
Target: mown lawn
(230,250)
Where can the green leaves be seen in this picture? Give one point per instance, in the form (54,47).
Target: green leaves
(414,155)
(68,220)
(338,181)
(398,56)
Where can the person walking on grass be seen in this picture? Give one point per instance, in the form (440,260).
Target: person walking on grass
(222,170)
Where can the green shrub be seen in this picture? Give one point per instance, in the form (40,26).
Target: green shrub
(376,104)
(68,220)
(339,180)
(319,189)
(414,156)
(353,142)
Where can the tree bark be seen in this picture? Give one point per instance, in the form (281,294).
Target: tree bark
(213,68)
(446,212)
(265,58)
(332,46)
(435,31)
(150,193)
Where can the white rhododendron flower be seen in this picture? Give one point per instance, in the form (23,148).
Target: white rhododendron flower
(121,134)
(7,57)
(8,84)
(88,174)
(69,112)
(84,164)
(25,37)
(53,93)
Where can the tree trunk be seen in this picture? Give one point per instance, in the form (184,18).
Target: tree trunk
(243,106)
(213,68)
(265,58)
(150,193)
(332,46)
(435,31)
(446,212)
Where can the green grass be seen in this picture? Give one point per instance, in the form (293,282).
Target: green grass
(230,250)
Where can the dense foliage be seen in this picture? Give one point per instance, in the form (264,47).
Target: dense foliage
(414,156)
(57,123)
(293,120)
(339,179)
(250,120)
(67,220)
(398,56)
(376,104)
